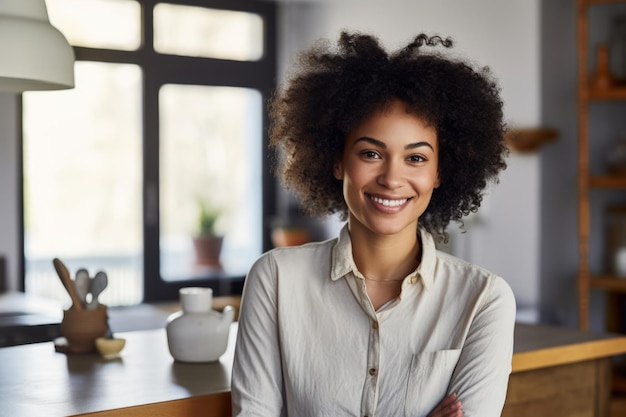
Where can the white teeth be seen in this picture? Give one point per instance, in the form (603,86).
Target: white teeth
(389,203)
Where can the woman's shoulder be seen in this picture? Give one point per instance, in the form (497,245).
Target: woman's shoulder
(470,273)
(297,255)
(448,260)
(292,266)
(473,282)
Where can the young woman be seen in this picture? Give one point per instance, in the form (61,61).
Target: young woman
(377,322)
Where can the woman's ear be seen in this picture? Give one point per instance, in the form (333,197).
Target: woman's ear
(338,170)
(438,180)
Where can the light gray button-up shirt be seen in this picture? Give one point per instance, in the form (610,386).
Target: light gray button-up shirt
(311,345)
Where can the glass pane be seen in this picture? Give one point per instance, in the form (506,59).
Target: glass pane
(209,148)
(210,33)
(106,24)
(83,182)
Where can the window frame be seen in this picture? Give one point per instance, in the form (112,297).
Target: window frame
(159,69)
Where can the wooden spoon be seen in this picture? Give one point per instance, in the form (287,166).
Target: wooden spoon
(66,279)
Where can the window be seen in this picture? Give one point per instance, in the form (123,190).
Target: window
(82,180)
(210,146)
(209,33)
(167,119)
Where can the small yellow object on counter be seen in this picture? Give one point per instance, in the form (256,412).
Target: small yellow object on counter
(109,347)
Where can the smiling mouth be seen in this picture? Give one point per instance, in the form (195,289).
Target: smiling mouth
(388,202)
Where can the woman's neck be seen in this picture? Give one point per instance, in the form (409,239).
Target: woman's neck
(385,257)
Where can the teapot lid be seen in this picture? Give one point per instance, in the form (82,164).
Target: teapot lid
(196,299)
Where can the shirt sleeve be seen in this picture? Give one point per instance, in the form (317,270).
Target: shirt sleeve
(257,385)
(481,376)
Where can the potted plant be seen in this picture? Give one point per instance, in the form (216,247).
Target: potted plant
(208,241)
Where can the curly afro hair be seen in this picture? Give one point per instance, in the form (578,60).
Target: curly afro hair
(332,91)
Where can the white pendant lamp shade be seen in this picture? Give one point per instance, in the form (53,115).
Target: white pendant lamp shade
(33,54)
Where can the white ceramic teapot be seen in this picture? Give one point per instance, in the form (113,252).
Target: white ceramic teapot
(198,333)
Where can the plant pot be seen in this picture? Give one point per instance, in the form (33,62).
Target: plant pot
(208,250)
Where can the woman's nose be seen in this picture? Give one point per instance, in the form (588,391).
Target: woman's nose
(390,175)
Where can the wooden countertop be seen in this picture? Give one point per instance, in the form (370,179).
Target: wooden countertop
(35,380)
(544,346)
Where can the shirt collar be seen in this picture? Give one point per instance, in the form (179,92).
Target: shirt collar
(426,268)
(343,263)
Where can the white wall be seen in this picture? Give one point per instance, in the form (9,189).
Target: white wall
(9,204)
(501,34)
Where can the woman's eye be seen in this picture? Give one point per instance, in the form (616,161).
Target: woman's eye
(417,158)
(370,154)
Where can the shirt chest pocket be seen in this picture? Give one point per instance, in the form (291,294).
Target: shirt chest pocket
(428,380)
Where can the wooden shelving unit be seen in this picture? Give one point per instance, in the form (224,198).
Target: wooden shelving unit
(588,93)
(613,286)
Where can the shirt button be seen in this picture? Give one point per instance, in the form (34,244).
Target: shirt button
(375,325)
(372,371)
(412,280)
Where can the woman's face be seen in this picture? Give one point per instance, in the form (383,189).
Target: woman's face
(389,170)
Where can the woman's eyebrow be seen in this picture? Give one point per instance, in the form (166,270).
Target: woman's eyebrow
(382,145)
(373,141)
(418,145)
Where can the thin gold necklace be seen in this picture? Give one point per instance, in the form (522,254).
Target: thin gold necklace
(383,280)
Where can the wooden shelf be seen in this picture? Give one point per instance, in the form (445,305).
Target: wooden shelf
(608,282)
(614,93)
(604,1)
(608,181)
(529,139)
